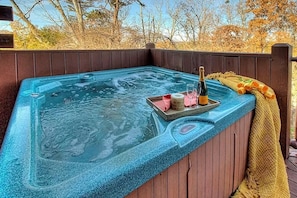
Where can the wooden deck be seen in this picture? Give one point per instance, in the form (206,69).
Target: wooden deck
(292,172)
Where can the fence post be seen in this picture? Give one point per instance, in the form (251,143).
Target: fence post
(150,46)
(281,79)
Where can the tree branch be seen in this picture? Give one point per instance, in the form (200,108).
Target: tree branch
(21,14)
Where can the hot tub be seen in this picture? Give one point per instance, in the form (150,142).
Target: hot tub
(93,134)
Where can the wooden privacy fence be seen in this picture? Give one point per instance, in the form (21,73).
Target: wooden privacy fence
(273,69)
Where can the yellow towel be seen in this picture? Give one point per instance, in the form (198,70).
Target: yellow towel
(266,174)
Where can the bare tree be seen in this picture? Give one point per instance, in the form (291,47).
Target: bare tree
(117,6)
(197,19)
(155,27)
(174,12)
(74,29)
(73,34)
(25,17)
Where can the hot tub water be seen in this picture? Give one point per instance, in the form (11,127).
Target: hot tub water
(95,120)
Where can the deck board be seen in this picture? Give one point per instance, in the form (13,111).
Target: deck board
(291,163)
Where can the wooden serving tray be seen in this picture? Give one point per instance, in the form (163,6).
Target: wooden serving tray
(171,114)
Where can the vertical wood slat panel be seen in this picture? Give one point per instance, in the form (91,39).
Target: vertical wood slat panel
(85,62)
(177,60)
(170,183)
(133,194)
(236,177)
(222,162)
(195,62)
(165,59)
(141,57)
(183,167)
(207,61)
(156,56)
(196,159)
(216,166)
(160,185)
(208,169)
(25,65)
(247,66)
(58,63)
(243,148)
(72,62)
(116,60)
(229,168)
(146,190)
(201,173)
(170,60)
(125,59)
(96,61)
(212,160)
(106,59)
(42,64)
(263,70)
(216,64)
(173,181)
(241,130)
(8,74)
(144,57)
(231,63)
(187,62)
(8,89)
(133,58)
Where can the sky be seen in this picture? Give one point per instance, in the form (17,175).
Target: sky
(38,18)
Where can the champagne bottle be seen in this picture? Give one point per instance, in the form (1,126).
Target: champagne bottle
(203,96)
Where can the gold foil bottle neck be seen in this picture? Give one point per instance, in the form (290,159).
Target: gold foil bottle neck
(201,73)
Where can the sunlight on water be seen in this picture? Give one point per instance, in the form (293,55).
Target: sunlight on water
(91,122)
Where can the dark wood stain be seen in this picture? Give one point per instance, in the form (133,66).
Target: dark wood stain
(291,163)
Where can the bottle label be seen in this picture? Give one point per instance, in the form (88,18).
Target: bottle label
(203,100)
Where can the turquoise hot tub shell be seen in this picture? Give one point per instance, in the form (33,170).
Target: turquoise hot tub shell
(26,172)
